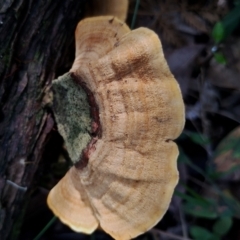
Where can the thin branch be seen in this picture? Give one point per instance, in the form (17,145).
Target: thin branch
(135,13)
(48,225)
(183,223)
(171,235)
(17,186)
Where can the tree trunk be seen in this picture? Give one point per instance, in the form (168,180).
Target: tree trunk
(35,38)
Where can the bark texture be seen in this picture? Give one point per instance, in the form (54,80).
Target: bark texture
(35,38)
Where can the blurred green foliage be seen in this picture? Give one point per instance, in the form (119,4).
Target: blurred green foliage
(220,207)
(227,25)
(224,29)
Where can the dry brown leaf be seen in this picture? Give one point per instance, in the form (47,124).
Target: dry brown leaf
(228,155)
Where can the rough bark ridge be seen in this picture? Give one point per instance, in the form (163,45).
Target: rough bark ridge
(35,37)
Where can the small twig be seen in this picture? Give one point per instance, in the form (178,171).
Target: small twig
(200,135)
(183,223)
(214,188)
(171,235)
(49,224)
(135,13)
(17,186)
(202,184)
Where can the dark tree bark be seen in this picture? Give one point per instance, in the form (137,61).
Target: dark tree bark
(35,38)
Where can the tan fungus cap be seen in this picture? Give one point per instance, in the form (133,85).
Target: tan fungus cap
(128,183)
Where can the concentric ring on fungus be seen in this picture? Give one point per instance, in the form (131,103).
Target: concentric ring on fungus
(134,110)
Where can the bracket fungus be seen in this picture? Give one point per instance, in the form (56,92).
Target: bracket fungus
(119,110)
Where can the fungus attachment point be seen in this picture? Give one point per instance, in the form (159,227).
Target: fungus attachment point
(136,110)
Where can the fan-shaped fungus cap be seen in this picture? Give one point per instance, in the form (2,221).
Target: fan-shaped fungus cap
(117,8)
(127,173)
